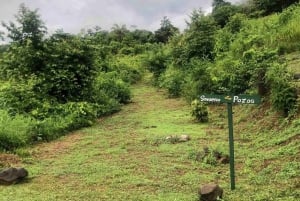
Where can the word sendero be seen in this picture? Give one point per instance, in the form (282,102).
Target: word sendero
(215,99)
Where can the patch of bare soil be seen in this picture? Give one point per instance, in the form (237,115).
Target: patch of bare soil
(8,160)
(53,149)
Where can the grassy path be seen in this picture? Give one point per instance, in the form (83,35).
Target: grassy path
(125,157)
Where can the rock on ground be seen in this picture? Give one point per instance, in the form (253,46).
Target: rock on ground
(12,175)
(210,192)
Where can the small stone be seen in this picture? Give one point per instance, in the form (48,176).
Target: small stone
(184,138)
(210,192)
(171,137)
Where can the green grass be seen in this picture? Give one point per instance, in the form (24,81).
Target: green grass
(293,61)
(126,157)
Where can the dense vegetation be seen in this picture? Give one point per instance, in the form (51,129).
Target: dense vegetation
(238,54)
(53,84)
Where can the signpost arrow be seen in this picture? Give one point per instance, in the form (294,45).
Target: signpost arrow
(230,100)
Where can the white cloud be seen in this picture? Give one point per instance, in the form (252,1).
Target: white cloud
(73,15)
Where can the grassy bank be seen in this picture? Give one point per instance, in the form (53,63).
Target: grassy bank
(126,157)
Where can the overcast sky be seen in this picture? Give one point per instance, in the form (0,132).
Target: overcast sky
(74,15)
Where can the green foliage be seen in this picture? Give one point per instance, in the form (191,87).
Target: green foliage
(64,68)
(241,57)
(69,70)
(172,81)
(224,37)
(290,170)
(156,62)
(126,68)
(15,131)
(222,11)
(65,82)
(29,27)
(197,79)
(21,61)
(270,6)
(288,36)
(283,93)
(166,31)
(118,33)
(199,111)
(112,87)
(62,118)
(199,37)
(19,98)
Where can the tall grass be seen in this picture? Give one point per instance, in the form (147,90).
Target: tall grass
(14,131)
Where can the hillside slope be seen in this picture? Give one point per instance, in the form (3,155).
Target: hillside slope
(126,157)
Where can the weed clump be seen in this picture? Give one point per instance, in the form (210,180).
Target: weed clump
(209,156)
(199,111)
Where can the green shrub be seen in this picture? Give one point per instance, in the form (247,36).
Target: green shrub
(62,118)
(51,128)
(15,131)
(19,98)
(156,62)
(127,50)
(172,80)
(283,93)
(81,113)
(128,74)
(284,98)
(199,111)
(112,87)
(197,79)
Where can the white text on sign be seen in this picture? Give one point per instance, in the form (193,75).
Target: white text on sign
(237,99)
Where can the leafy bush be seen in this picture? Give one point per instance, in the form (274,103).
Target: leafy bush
(283,93)
(69,70)
(19,97)
(112,87)
(288,36)
(15,131)
(156,62)
(199,111)
(62,118)
(172,80)
(126,68)
(51,128)
(197,79)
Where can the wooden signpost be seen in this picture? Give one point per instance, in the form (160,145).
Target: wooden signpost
(230,100)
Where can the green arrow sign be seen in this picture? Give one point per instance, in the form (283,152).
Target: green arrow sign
(238,99)
(230,100)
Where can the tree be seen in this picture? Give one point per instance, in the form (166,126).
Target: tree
(199,36)
(29,26)
(222,11)
(270,6)
(143,36)
(166,31)
(118,33)
(24,57)
(69,70)
(219,3)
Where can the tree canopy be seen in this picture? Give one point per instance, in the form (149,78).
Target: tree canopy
(29,26)
(166,31)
